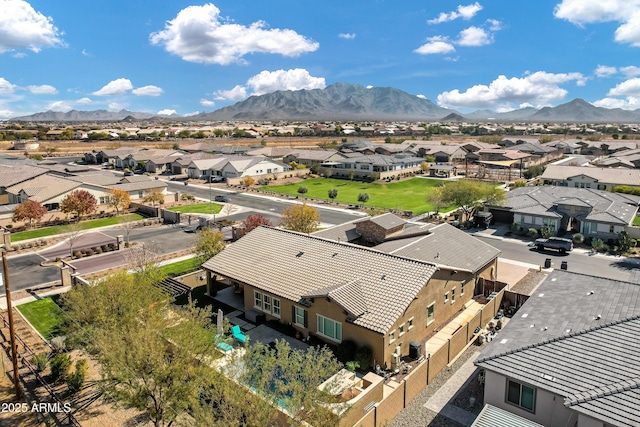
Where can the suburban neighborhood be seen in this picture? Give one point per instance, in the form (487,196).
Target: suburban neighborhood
(407,271)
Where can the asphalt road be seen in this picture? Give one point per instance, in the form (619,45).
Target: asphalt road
(261,204)
(617,268)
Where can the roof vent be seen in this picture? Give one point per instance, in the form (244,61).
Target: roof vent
(334,255)
(437,255)
(383,276)
(299,254)
(598,317)
(590,293)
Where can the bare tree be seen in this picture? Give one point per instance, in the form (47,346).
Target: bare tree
(227,209)
(73,232)
(143,259)
(127,225)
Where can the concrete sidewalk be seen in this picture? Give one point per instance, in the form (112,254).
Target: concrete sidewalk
(441,401)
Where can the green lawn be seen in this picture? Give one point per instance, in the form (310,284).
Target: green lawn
(181,267)
(636,221)
(201,208)
(408,195)
(44,315)
(59,229)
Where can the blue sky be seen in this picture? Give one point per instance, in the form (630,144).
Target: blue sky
(185,57)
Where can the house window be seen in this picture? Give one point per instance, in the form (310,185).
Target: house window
(521,395)
(276,307)
(462,287)
(409,324)
(446,297)
(103,200)
(257,300)
(401,330)
(431,313)
(453,295)
(329,328)
(300,315)
(266,303)
(611,229)
(392,336)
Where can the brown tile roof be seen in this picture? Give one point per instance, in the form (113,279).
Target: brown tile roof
(44,187)
(292,265)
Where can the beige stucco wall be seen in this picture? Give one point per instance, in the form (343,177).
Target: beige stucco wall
(549,408)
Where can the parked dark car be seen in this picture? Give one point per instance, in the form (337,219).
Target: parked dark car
(128,173)
(482,219)
(221,198)
(558,243)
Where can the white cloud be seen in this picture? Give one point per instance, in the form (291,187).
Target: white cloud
(115,106)
(464,12)
(624,12)
(348,36)
(271,81)
(6,114)
(295,79)
(59,106)
(199,34)
(605,71)
(539,88)
(115,87)
(195,113)
(166,112)
(630,71)
(421,96)
(19,55)
(369,87)
(42,90)
(84,101)
(6,87)
(148,91)
(630,103)
(494,24)
(238,93)
(22,27)
(207,103)
(629,87)
(85,52)
(474,36)
(435,45)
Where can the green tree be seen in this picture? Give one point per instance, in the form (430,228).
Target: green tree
(467,194)
(363,198)
(436,199)
(301,218)
(625,242)
(292,377)
(79,202)
(209,243)
(119,200)
(333,193)
(302,190)
(156,366)
(30,210)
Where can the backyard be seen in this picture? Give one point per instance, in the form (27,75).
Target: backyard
(44,314)
(201,208)
(409,195)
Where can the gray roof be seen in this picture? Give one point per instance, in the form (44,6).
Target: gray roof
(577,337)
(345,232)
(43,188)
(492,416)
(386,221)
(382,160)
(12,174)
(293,265)
(444,245)
(607,207)
(615,176)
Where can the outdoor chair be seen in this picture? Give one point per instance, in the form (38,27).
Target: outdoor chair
(238,334)
(223,345)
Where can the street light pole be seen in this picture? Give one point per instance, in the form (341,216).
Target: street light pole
(12,334)
(210,202)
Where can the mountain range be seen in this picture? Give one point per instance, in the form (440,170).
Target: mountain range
(345,102)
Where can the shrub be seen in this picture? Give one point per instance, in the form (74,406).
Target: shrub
(363,356)
(40,361)
(60,365)
(346,350)
(578,238)
(302,189)
(76,379)
(533,233)
(597,244)
(604,248)
(105,248)
(90,252)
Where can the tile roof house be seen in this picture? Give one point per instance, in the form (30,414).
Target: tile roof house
(339,291)
(590,177)
(311,157)
(570,356)
(368,165)
(594,213)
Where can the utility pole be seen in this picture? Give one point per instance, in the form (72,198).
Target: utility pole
(12,334)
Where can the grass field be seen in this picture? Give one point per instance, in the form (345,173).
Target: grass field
(59,229)
(201,208)
(180,267)
(409,195)
(44,314)
(636,221)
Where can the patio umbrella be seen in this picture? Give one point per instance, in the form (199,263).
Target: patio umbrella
(219,322)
